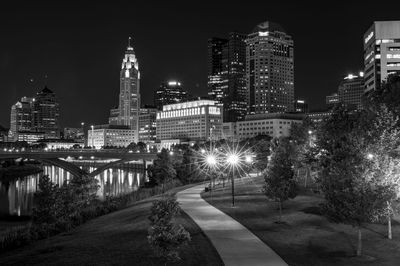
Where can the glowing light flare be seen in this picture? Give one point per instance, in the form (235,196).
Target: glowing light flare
(232,159)
(211,160)
(249,159)
(370,156)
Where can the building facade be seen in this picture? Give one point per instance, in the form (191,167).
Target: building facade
(381,52)
(147,124)
(169,93)
(196,121)
(227,75)
(269,69)
(351,90)
(110,136)
(21,117)
(127,113)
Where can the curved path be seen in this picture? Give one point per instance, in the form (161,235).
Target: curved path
(235,243)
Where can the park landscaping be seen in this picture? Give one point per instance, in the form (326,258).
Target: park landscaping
(119,238)
(304,237)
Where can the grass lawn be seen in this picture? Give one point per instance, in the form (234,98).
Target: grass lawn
(119,238)
(305,237)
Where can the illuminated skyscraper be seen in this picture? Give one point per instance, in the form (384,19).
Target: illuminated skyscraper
(216,69)
(381,52)
(169,93)
(227,75)
(269,69)
(127,113)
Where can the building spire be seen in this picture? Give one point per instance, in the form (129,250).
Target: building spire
(129,41)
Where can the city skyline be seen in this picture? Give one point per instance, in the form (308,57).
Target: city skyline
(85,73)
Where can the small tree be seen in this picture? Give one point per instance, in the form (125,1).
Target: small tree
(279,177)
(262,151)
(45,210)
(162,170)
(384,167)
(166,237)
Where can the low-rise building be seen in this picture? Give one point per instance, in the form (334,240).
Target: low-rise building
(110,135)
(273,124)
(194,121)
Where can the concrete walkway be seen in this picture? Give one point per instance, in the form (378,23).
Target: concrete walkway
(235,243)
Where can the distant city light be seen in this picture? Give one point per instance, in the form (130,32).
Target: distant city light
(174,83)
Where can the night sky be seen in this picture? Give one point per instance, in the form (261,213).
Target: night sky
(79,47)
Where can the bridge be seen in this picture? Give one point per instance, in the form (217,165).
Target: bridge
(58,158)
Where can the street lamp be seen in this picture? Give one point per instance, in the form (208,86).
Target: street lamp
(233,160)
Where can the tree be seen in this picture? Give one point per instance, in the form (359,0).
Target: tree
(162,170)
(141,147)
(350,194)
(279,177)
(262,151)
(45,210)
(164,236)
(387,93)
(384,167)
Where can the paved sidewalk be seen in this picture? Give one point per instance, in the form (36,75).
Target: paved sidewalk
(235,243)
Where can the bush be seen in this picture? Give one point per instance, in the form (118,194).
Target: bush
(54,213)
(165,237)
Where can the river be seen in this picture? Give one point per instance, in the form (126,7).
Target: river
(16,197)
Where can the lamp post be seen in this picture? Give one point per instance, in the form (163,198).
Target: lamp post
(211,161)
(232,160)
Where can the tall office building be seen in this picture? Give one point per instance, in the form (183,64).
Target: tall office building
(381,52)
(169,93)
(46,114)
(127,113)
(269,69)
(215,77)
(227,75)
(351,90)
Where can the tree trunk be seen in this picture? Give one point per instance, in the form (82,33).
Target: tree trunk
(389,227)
(359,244)
(280,211)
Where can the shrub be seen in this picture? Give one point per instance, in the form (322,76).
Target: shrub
(165,237)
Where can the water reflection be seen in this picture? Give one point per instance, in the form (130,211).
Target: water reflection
(16,196)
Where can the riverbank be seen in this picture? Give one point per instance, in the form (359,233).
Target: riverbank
(18,171)
(305,237)
(119,238)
